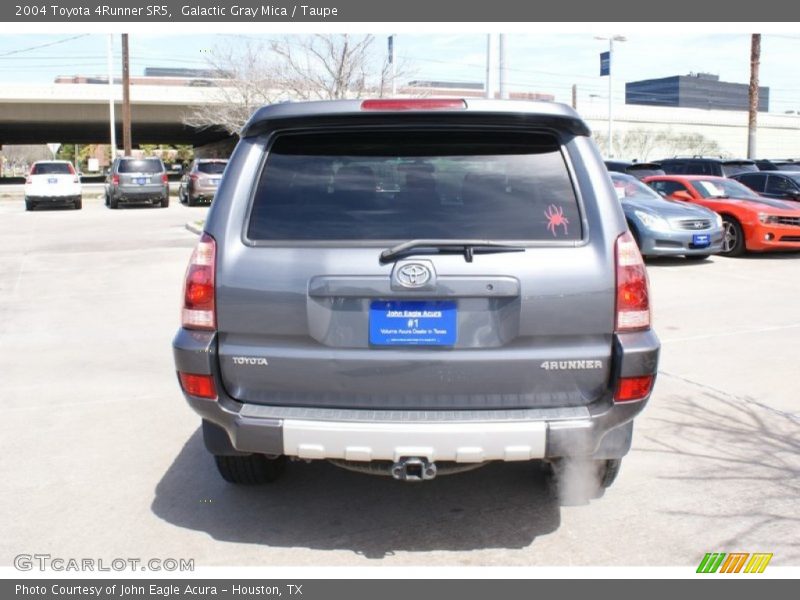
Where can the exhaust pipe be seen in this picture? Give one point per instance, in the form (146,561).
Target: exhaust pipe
(413,469)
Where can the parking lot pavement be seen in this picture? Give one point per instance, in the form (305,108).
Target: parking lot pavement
(102,458)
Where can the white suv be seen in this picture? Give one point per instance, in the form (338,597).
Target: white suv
(54,183)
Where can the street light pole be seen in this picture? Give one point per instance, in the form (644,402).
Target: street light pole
(111,117)
(611,39)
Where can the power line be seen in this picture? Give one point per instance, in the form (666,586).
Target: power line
(61,41)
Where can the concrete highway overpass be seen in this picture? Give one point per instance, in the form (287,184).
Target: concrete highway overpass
(78,114)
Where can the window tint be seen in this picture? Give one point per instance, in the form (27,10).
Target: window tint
(733,167)
(700,167)
(405,185)
(144,165)
(754,181)
(211,168)
(673,167)
(780,185)
(52,169)
(667,187)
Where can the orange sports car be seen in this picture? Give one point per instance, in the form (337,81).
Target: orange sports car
(750,222)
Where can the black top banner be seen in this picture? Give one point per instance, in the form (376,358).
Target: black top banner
(458,11)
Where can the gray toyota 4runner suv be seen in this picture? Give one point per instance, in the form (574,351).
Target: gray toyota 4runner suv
(416,287)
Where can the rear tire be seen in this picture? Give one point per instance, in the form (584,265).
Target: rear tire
(253,469)
(29,205)
(165,202)
(190,201)
(113,203)
(733,242)
(79,204)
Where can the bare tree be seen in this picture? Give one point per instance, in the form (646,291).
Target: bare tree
(313,67)
(330,67)
(246,82)
(640,143)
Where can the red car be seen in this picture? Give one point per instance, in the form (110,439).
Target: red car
(751,222)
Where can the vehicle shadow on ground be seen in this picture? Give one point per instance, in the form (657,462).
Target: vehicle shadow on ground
(320,506)
(743,457)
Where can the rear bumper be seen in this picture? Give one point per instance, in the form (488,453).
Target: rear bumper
(138,195)
(601,429)
(61,199)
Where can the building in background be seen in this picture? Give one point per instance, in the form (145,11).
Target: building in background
(464,89)
(695,90)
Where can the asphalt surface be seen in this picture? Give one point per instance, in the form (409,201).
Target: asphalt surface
(102,458)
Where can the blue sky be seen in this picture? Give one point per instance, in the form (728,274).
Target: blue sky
(537,62)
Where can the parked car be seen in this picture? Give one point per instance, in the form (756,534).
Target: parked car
(704,165)
(137,181)
(784,164)
(664,227)
(53,183)
(783,185)
(751,222)
(409,287)
(640,170)
(200,181)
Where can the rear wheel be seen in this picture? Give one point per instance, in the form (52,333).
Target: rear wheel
(165,202)
(79,204)
(29,205)
(113,202)
(733,240)
(253,469)
(190,201)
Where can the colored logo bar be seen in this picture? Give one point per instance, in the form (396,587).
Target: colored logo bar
(734,562)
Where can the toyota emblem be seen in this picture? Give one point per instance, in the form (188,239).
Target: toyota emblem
(413,275)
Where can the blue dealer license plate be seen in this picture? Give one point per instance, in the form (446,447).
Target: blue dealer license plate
(412,323)
(701,240)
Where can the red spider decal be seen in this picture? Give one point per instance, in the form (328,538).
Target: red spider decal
(555,218)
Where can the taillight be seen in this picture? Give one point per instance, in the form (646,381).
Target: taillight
(633,299)
(29,179)
(631,389)
(414,104)
(71,169)
(164,178)
(115,180)
(198,290)
(198,385)
(194,176)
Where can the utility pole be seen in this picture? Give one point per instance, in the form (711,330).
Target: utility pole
(126,98)
(111,116)
(503,68)
(752,117)
(490,65)
(393,74)
(575,96)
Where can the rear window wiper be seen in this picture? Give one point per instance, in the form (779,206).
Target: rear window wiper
(466,247)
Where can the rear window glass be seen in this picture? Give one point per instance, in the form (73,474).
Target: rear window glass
(52,169)
(211,168)
(409,185)
(145,165)
(732,168)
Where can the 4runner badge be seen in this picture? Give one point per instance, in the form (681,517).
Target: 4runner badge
(247,360)
(570,365)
